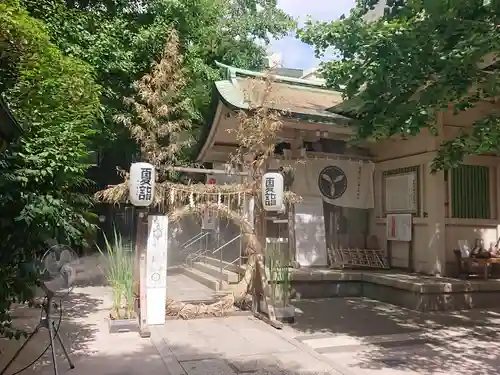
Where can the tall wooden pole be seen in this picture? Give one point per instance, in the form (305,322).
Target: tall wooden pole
(291,234)
(260,271)
(140,271)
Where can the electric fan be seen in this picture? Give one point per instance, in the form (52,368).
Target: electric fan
(57,272)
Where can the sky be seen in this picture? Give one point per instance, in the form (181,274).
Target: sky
(294,53)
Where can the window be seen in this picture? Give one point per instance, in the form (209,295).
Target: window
(470,192)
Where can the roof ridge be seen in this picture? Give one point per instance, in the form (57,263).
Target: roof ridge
(232,71)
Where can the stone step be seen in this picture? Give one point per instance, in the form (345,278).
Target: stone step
(215,271)
(228,266)
(209,281)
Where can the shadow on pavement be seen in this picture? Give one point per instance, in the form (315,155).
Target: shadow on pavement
(243,345)
(385,337)
(81,308)
(365,317)
(74,330)
(449,343)
(475,353)
(156,356)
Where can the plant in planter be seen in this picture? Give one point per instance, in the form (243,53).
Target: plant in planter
(119,274)
(278,274)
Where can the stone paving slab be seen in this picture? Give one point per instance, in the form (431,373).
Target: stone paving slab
(182,288)
(254,363)
(208,367)
(463,343)
(363,317)
(237,345)
(302,362)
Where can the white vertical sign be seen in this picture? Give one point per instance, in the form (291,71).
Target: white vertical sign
(399,227)
(156,269)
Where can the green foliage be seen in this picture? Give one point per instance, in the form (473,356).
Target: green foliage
(57,102)
(119,273)
(403,69)
(122,39)
(52,55)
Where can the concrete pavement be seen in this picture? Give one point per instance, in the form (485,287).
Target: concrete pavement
(233,345)
(366,337)
(350,336)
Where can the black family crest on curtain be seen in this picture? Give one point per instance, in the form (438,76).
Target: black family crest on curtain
(332,182)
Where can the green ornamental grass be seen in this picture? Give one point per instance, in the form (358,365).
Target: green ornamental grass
(119,274)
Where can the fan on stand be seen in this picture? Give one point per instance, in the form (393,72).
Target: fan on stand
(56,276)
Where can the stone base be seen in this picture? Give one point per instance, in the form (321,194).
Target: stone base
(123,325)
(326,289)
(415,292)
(431,301)
(285,314)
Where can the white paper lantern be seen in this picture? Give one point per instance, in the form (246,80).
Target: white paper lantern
(141,184)
(272,191)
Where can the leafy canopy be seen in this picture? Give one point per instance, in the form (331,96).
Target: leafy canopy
(57,101)
(420,58)
(122,39)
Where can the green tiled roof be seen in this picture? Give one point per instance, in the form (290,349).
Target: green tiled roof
(302,98)
(307,100)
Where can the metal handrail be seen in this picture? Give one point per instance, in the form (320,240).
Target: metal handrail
(192,257)
(227,243)
(196,255)
(233,262)
(201,253)
(193,240)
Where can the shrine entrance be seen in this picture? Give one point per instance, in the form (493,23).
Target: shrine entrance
(206,251)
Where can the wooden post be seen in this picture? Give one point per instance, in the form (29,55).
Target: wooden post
(261,237)
(411,265)
(291,233)
(140,270)
(265,293)
(388,246)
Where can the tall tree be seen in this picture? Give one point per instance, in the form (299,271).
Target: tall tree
(413,62)
(57,101)
(122,38)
